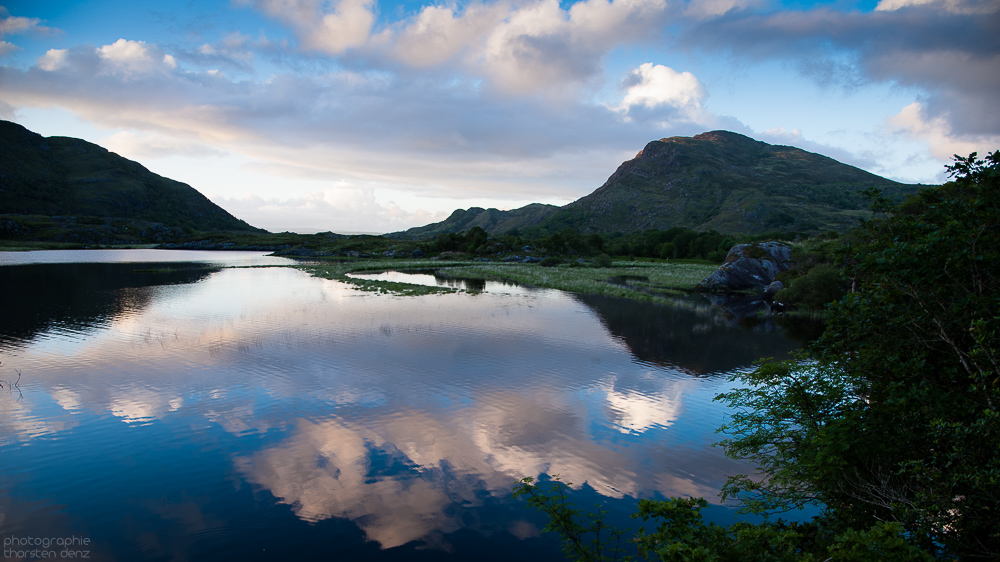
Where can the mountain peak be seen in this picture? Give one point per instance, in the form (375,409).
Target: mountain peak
(725,181)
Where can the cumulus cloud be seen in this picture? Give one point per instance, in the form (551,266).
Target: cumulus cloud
(541,46)
(127,56)
(936,132)
(517,48)
(53,59)
(437,33)
(330,28)
(652,86)
(7,48)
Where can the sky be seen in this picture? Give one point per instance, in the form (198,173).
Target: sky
(380,115)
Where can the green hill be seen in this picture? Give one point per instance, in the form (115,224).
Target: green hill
(718,180)
(726,182)
(63,176)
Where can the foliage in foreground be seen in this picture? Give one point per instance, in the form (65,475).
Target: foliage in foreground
(890,425)
(677,532)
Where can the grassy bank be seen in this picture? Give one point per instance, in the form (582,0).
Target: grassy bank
(629,279)
(338,270)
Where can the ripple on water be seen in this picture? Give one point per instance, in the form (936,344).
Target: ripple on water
(176,424)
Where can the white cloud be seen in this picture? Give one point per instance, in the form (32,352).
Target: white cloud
(125,52)
(540,46)
(127,56)
(937,134)
(652,86)
(11,25)
(954,6)
(518,48)
(701,9)
(7,48)
(438,33)
(636,412)
(348,26)
(53,59)
(794,135)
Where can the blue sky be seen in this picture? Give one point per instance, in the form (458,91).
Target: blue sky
(368,116)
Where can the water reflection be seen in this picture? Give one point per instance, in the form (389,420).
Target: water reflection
(692,334)
(431,278)
(75,297)
(233,396)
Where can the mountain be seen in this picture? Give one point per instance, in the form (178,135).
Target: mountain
(718,180)
(493,221)
(63,176)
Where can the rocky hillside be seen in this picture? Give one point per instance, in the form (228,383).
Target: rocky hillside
(713,181)
(726,182)
(63,176)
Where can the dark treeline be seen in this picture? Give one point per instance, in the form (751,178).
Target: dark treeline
(674,243)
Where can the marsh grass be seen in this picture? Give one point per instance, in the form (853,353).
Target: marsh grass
(641,281)
(638,280)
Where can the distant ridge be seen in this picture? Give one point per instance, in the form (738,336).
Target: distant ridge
(717,180)
(64,176)
(490,220)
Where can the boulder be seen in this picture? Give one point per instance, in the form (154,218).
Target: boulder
(772,289)
(749,266)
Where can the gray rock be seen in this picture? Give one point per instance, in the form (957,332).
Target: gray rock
(773,289)
(749,266)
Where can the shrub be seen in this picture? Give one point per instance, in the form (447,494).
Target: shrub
(821,285)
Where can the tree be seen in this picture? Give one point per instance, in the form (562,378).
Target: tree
(890,423)
(921,340)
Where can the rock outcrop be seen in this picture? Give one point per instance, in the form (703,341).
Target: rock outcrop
(773,289)
(749,266)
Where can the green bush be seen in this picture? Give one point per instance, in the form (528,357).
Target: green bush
(821,285)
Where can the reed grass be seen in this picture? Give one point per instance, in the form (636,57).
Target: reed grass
(636,280)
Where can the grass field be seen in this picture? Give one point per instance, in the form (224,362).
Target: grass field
(629,279)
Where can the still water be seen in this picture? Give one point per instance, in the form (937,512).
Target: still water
(173,407)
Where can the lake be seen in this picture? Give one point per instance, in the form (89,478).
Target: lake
(172,406)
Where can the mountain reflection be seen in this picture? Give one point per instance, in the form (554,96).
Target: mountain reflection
(35,298)
(693,334)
